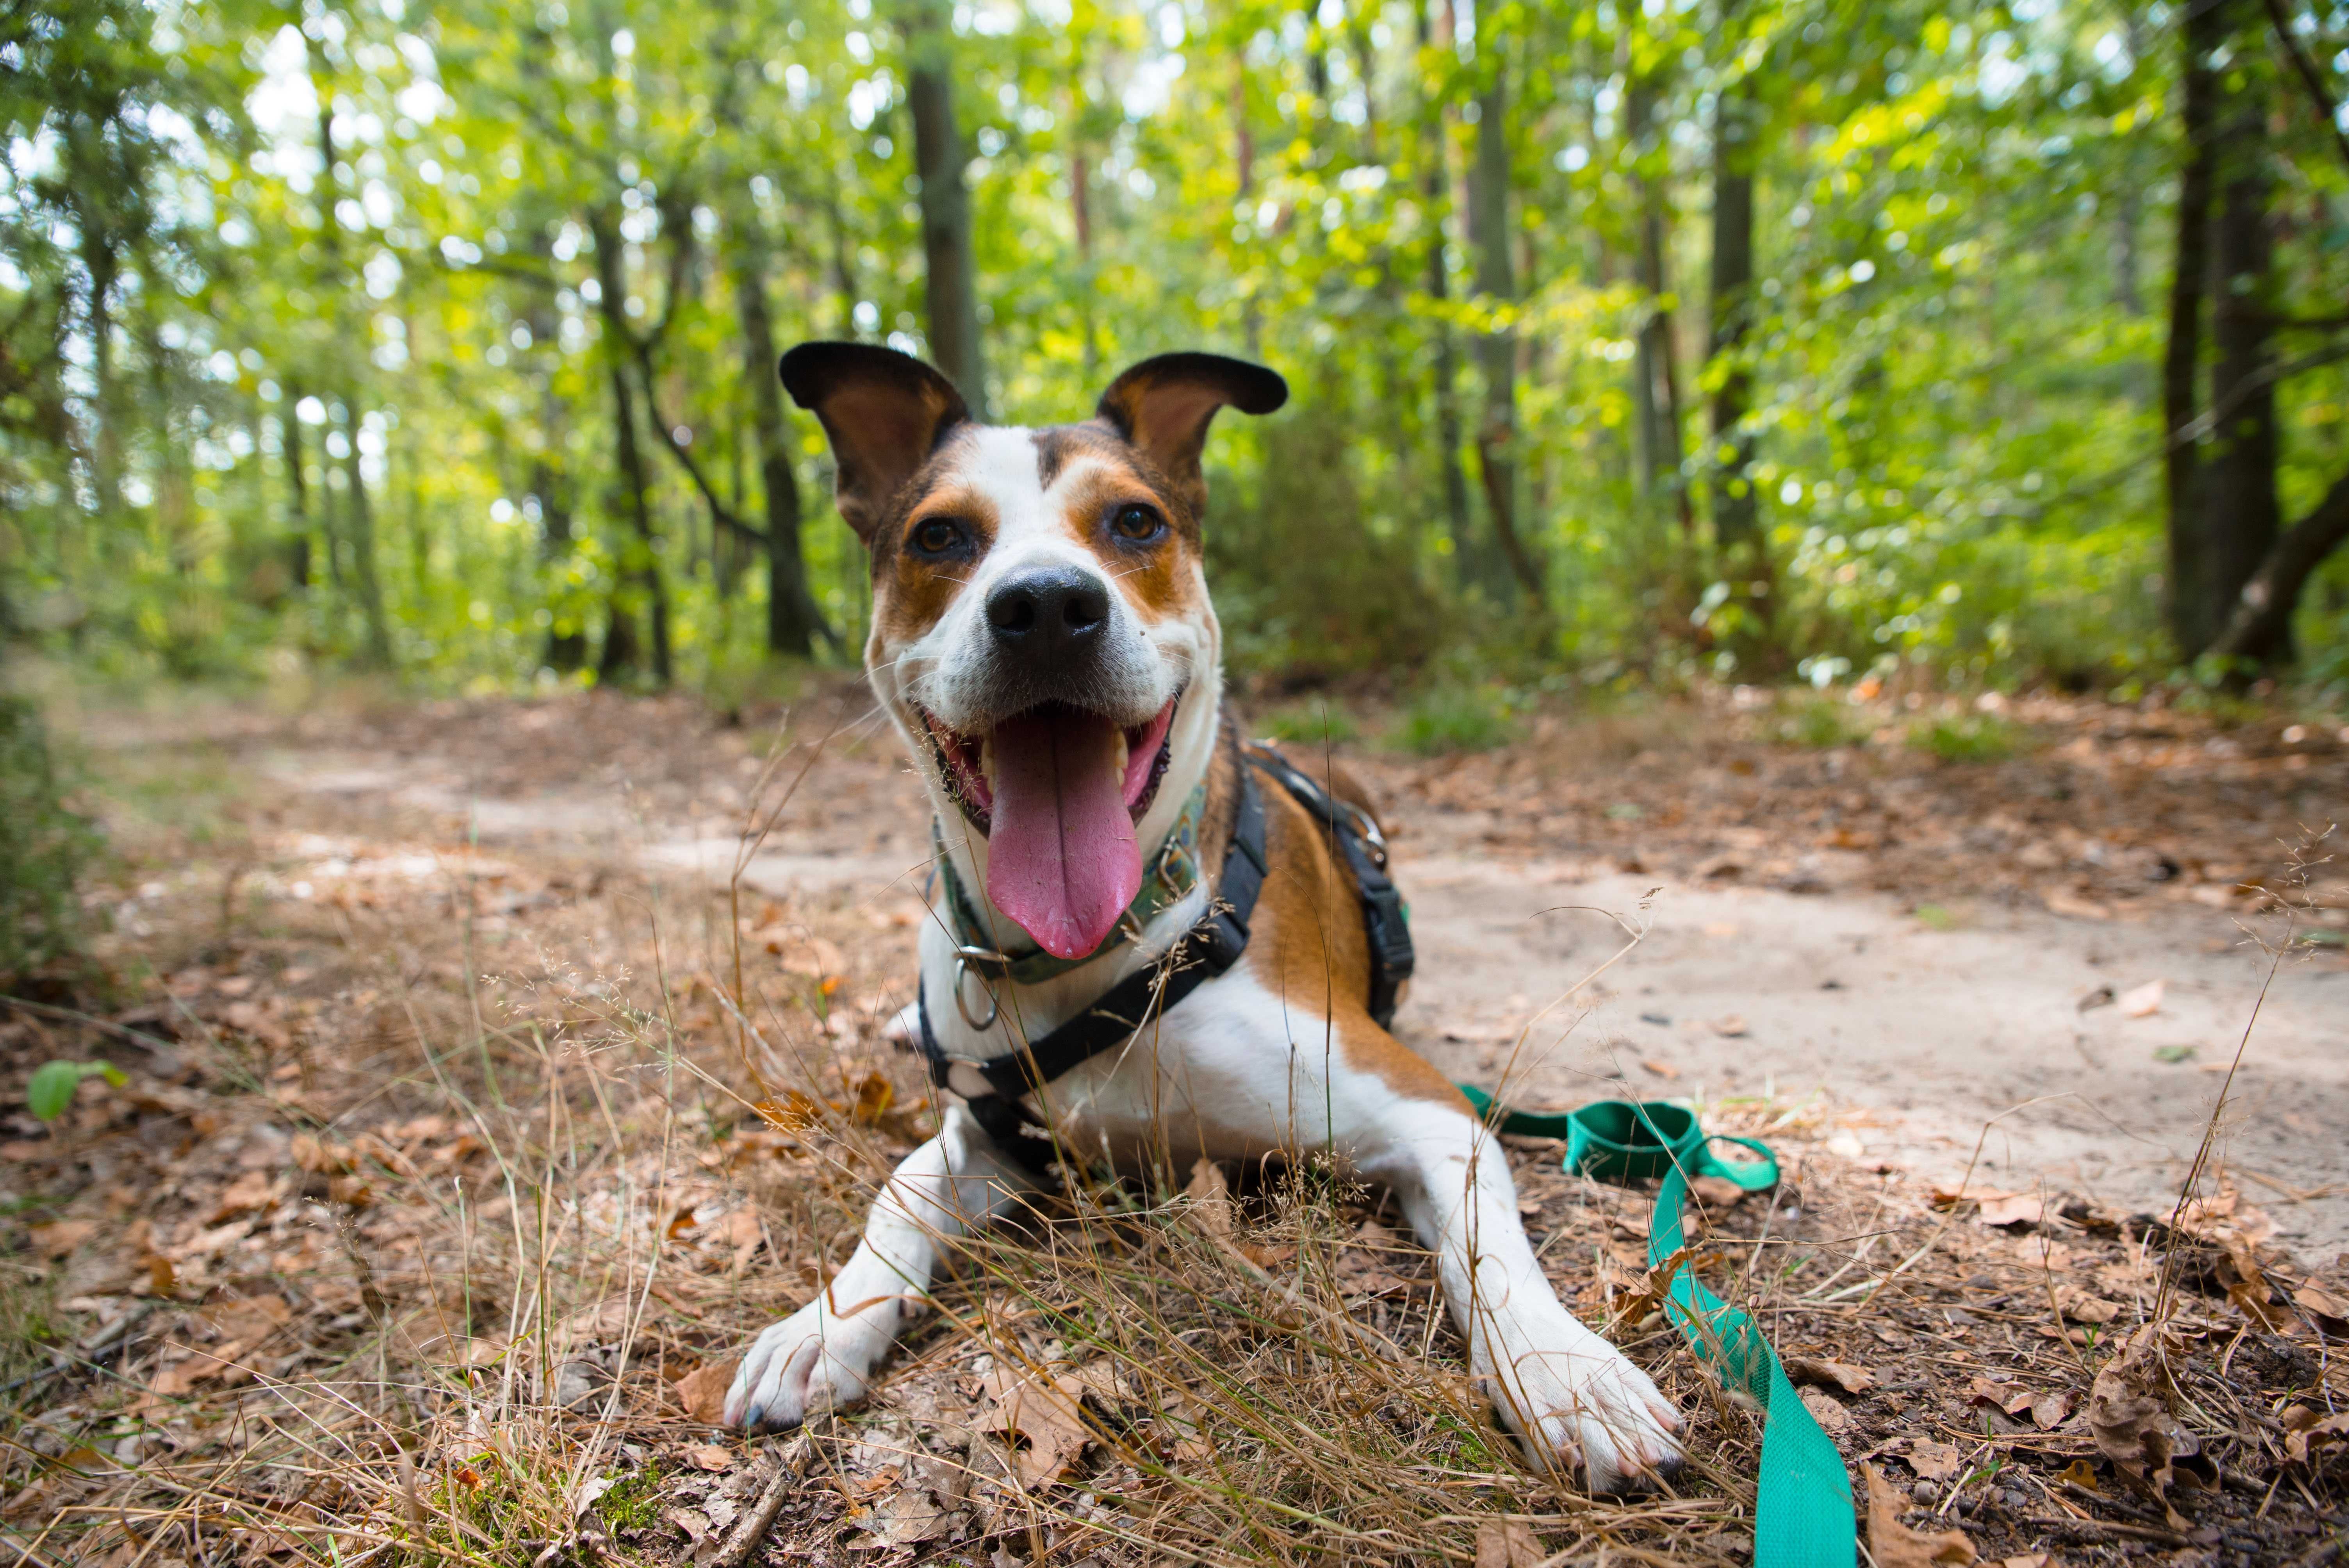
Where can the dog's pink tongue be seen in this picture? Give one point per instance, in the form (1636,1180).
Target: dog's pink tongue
(1061,853)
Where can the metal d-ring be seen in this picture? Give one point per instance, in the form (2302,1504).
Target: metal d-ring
(963,958)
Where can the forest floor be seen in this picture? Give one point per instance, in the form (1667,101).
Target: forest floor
(486,1090)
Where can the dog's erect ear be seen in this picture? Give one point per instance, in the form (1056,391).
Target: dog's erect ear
(883,412)
(1163,406)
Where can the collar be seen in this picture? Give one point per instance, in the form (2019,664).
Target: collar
(1173,873)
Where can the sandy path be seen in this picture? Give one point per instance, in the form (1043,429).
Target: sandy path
(1919,1035)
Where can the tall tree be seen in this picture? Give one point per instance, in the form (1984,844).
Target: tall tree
(2238,503)
(1744,561)
(374,624)
(1496,351)
(793,621)
(1435,180)
(1655,392)
(2186,586)
(950,277)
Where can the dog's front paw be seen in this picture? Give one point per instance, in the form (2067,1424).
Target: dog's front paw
(815,1359)
(1589,1403)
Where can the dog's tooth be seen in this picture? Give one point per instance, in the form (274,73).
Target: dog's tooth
(987,761)
(1117,757)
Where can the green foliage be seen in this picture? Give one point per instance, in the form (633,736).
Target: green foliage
(50,1092)
(633,1501)
(1968,738)
(44,848)
(1449,717)
(1821,723)
(1308,723)
(267,404)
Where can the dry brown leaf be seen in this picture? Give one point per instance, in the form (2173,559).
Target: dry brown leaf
(1729,1028)
(1934,1461)
(1832,1418)
(255,1191)
(2081,1307)
(874,1096)
(2129,1415)
(1843,1374)
(1211,1199)
(2011,1209)
(2321,1303)
(710,1457)
(2143,1001)
(1662,1069)
(2049,1410)
(2009,1397)
(2030,1560)
(60,1238)
(1041,1413)
(1893,1544)
(2309,1437)
(702,1391)
(1505,1543)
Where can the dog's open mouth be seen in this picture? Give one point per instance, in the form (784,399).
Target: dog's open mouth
(1057,790)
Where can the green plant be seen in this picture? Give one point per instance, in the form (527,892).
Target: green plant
(1819,723)
(1308,723)
(1968,737)
(51,1088)
(1446,718)
(44,848)
(634,1501)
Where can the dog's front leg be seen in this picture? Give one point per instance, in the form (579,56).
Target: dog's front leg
(823,1354)
(1565,1390)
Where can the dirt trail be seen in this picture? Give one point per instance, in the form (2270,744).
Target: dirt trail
(1928,1028)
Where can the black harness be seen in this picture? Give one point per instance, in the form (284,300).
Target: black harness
(1206,950)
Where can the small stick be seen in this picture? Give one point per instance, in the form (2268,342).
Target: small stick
(793,1457)
(2108,1527)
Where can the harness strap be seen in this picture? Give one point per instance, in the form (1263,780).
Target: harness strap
(1209,948)
(1386,921)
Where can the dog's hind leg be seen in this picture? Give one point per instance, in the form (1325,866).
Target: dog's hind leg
(1562,1388)
(823,1354)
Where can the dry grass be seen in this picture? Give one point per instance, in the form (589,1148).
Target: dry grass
(434,1190)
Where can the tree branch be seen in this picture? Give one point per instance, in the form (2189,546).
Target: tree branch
(719,511)
(2262,619)
(2305,69)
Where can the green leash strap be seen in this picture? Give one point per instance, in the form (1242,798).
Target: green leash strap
(1803,1508)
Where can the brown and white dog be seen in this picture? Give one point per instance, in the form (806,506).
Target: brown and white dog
(1043,639)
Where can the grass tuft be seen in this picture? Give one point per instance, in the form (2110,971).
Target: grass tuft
(1449,718)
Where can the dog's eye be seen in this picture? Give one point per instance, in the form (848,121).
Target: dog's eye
(938,536)
(1136,521)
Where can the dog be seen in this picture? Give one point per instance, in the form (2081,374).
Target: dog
(1043,640)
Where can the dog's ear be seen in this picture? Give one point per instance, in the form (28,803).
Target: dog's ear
(884,413)
(1163,406)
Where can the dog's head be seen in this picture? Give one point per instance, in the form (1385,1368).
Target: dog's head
(1042,631)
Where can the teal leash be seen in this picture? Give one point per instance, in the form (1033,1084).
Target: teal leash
(1803,1507)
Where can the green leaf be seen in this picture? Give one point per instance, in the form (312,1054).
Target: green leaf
(52,1087)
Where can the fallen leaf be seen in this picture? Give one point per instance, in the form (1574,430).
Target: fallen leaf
(60,1238)
(2048,1410)
(874,1096)
(1662,1069)
(1831,1417)
(2321,1303)
(908,1517)
(1843,1374)
(2143,1001)
(2308,1436)
(2081,1307)
(2011,1209)
(2129,1415)
(2010,1397)
(1504,1543)
(702,1391)
(2080,1473)
(1041,1413)
(2101,997)
(710,1457)
(2030,1560)
(1730,1028)
(2173,1055)
(1211,1199)
(1718,1191)
(255,1191)
(1893,1545)
(1934,1461)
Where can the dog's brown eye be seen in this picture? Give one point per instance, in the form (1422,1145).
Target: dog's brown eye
(1137,523)
(938,536)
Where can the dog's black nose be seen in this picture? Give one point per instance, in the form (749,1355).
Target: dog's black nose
(1051,611)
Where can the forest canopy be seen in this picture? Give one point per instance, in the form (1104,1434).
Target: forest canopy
(1730,338)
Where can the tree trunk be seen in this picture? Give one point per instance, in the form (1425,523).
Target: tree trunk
(1496,352)
(950,281)
(1467,559)
(2187,583)
(640,561)
(2242,516)
(297,535)
(1656,395)
(376,634)
(1736,527)
(792,618)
